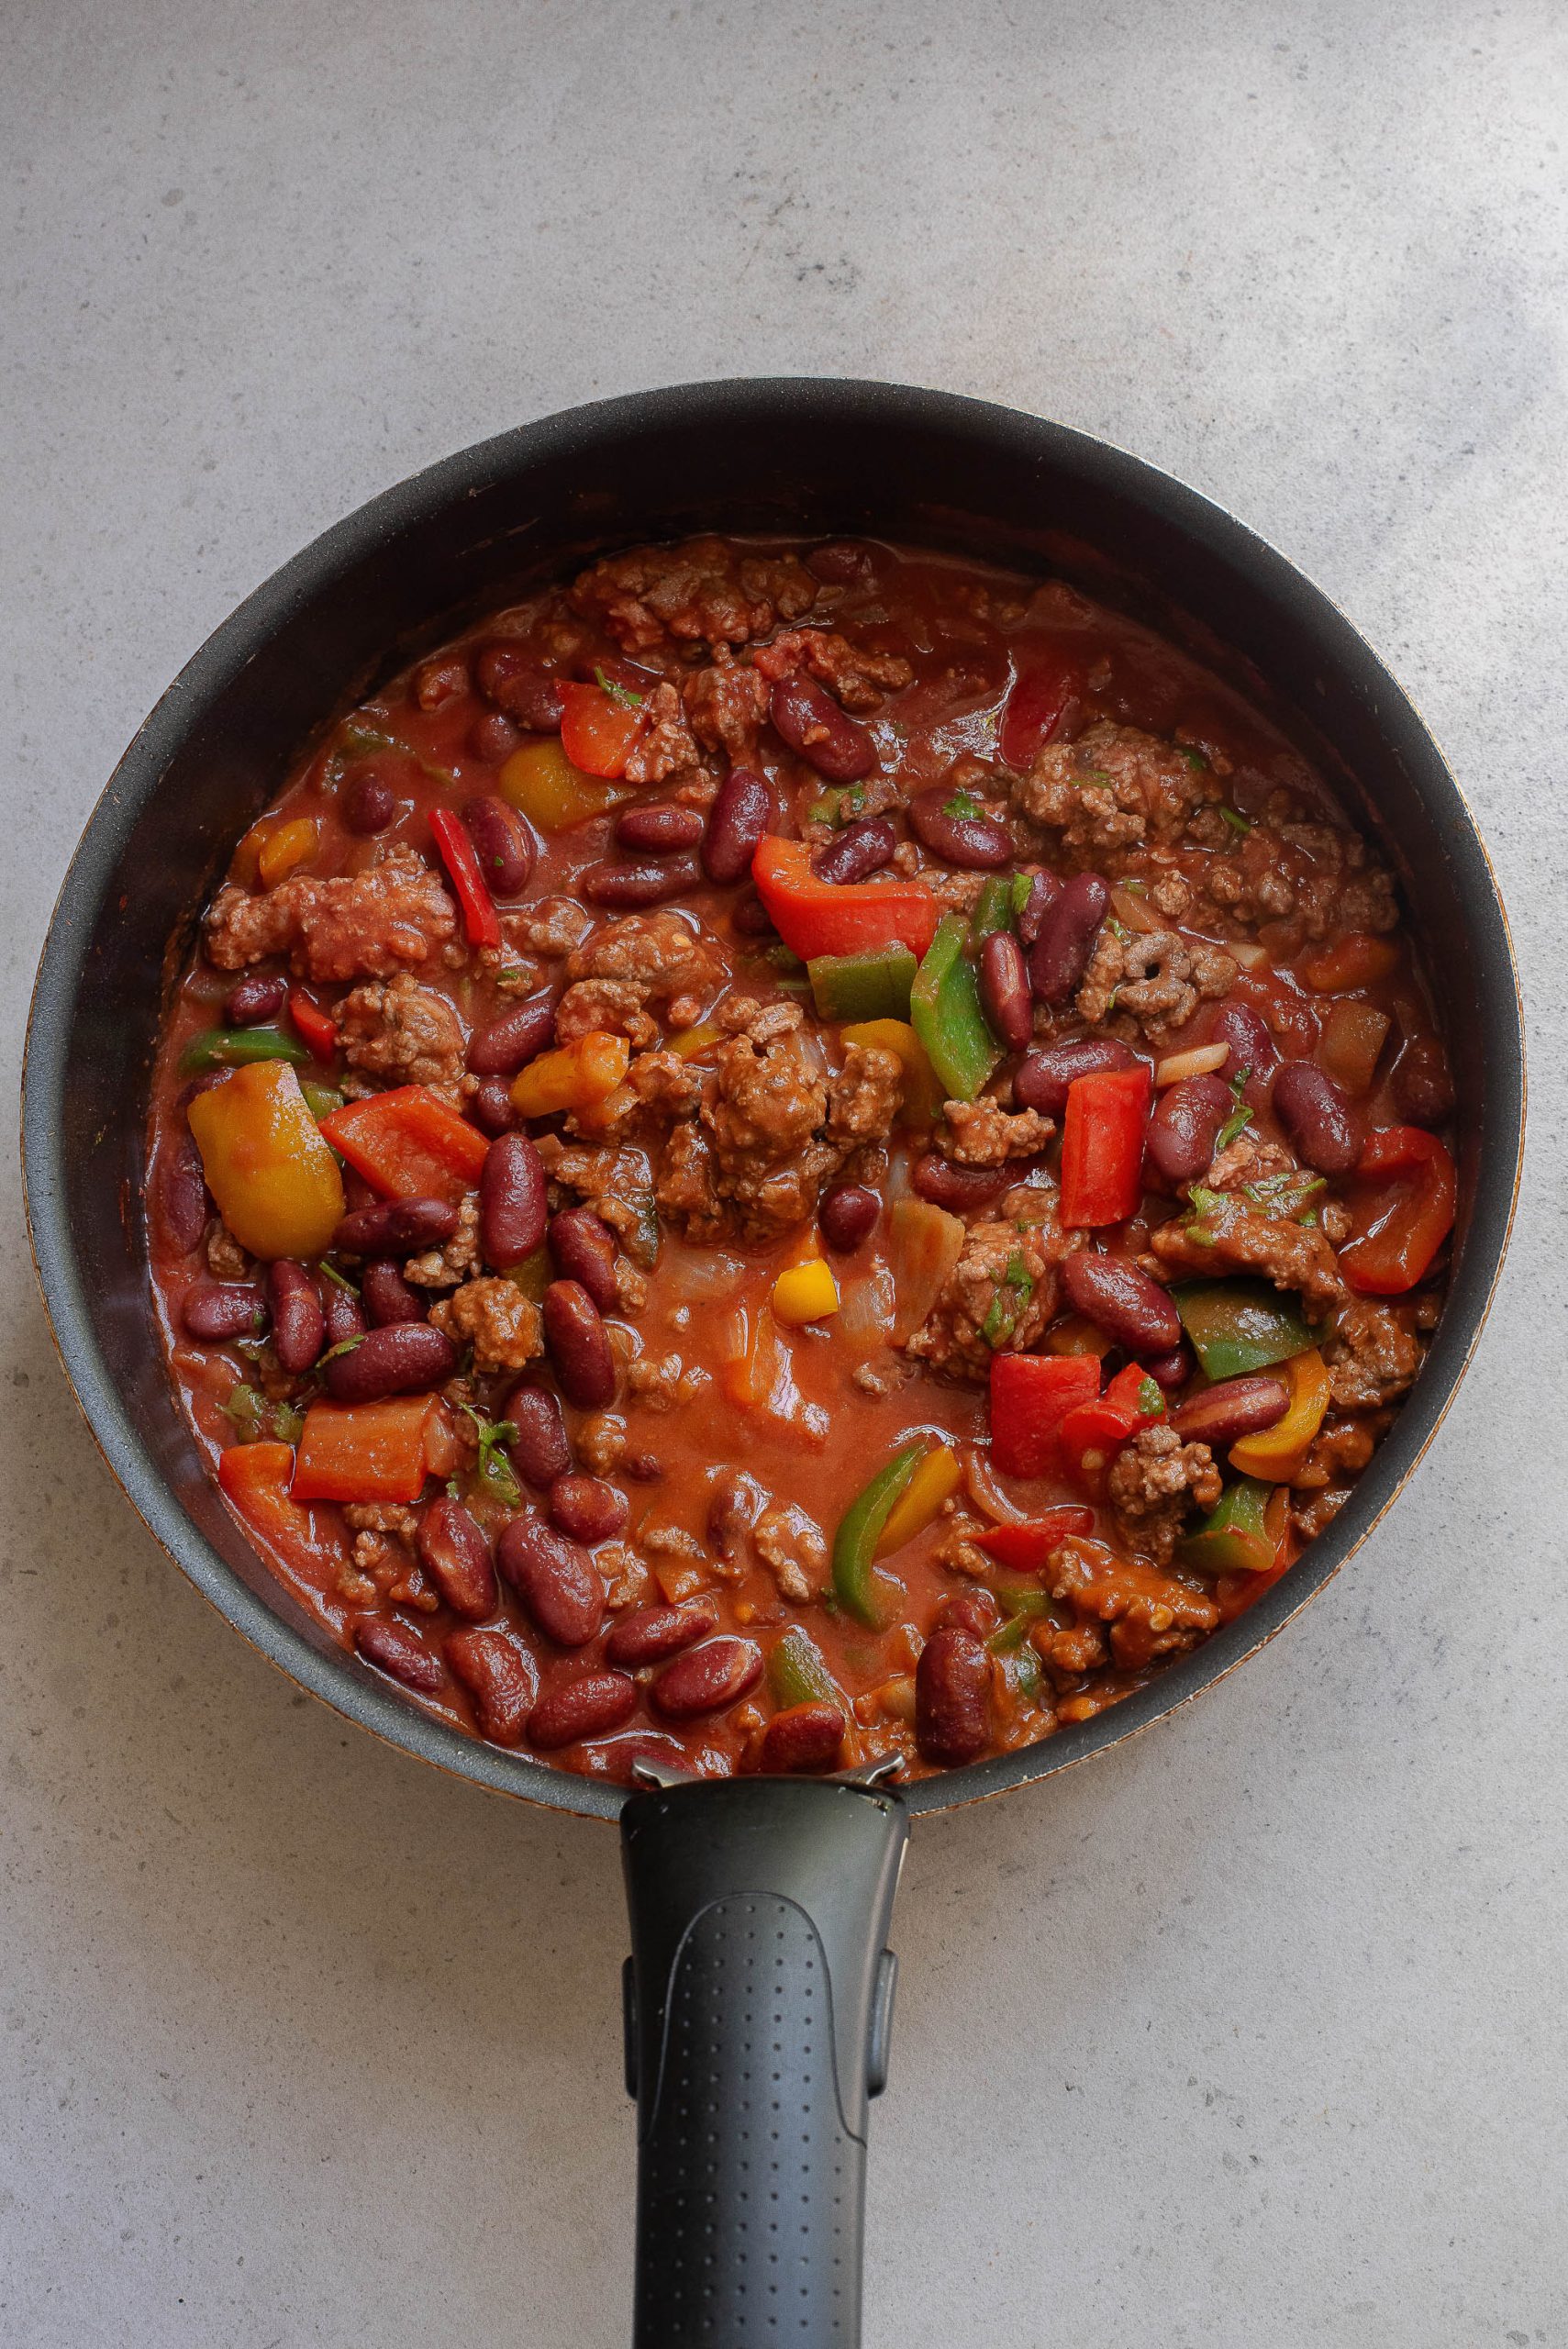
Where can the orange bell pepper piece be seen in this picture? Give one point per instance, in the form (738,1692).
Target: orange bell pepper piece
(816,917)
(408,1144)
(287,846)
(255,1478)
(600,727)
(365,1452)
(1357,959)
(574,1076)
(1276,1453)
(275,1181)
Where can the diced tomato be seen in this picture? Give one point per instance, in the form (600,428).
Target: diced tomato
(316,1029)
(408,1144)
(599,730)
(1035,709)
(1093,1434)
(1025,1548)
(816,917)
(1405,1214)
(1031,1396)
(1101,1147)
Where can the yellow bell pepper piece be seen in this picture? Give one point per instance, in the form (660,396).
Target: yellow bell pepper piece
(936,1480)
(574,1076)
(275,1181)
(691,1043)
(805,1292)
(541,782)
(1276,1454)
(285,847)
(921,1102)
(1076,1336)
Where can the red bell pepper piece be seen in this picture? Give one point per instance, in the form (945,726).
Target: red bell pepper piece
(1031,1396)
(481,921)
(408,1144)
(1101,1147)
(315,1028)
(1407,1213)
(1092,1435)
(816,917)
(1025,1548)
(1035,709)
(363,1452)
(601,726)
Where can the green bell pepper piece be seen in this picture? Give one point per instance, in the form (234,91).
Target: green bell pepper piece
(320,1099)
(993,908)
(862,986)
(798,1676)
(854,1583)
(1232,1538)
(944,1005)
(1240,1326)
(237,1048)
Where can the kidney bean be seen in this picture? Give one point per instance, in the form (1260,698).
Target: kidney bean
(369,804)
(808,718)
(299,1325)
(1252,1048)
(455,1554)
(398,1650)
(659,826)
(587,1509)
(707,1679)
(214,1311)
(1423,1087)
(651,1634)
(978,843)
(507,675)
(585,1706)
(1044,890)
(500,1676)
(502,842)
(1170,1371)
(555,1579)
(198,1086)
(396,1228)
(1041,1081)
(1131,1309)
(974,1612)
(491,1107)
(387,1297)
(494,738)
(750,917)
(1237,1407)
(803,1737)
(541,1451)
(514,1206)
(958,1188)
(578,1346)
(848,1216)
(583,1249)
(402,1358)
(952,1698)
(621,885)
(509,1042)
(256,998)
(1005,990)
(1066,937)
(1319,1118)
(341,1312)
(1187,1118)
(741,814)
(856,853)
(183,1205)
(841,562)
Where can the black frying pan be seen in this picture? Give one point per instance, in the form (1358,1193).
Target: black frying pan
(758,1992)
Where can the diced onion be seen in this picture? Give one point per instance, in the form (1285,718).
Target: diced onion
(980,1481)
(1251,958)
(1199,1060)
(705,1272)
(1136,912)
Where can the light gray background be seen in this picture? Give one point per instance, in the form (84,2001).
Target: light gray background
(1249,2033)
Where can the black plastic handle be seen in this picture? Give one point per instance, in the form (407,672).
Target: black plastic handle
(759,1999)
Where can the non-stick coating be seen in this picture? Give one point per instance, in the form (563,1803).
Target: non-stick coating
(793,455)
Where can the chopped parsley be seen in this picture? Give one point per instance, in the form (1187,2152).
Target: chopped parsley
(1241,1118)
(963,808)
(492,1470)
(1012,1294)
(1194,759)
(1237,822)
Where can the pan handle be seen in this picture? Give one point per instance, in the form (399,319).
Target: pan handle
(759,1999)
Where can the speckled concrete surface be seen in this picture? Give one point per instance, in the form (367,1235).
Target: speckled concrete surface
(1252,2033)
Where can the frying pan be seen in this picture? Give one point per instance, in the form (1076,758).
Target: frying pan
(759,1991)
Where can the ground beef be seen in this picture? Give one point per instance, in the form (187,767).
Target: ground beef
(354,926)
(1340,1451)
(1149,1614)
(661,1381)
(604,1006)
(659,953)
(504,1327)
(761,1119)
(981,1133)
(455,1259)
(556,926)
(382,1517)
(225,1260)
(1154,1481)
(685,1189)
(857,676)
(736,1501)
(743,1015)
(1002,1264)
(794,1548)
(726,706)
(864,1098)
(1113,790)
(616,1181)
(701,592)
(403,1034)
(1371,1357)
(1240,1238)
(668,746)
(1154,978)
(1315,874)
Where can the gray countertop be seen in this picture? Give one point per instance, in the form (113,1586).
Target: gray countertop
(1252,2031)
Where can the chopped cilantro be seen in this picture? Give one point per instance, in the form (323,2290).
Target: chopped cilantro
(1237,822)
(492,1470)
(338,1280)
(963,808)
(1194,759)
(1241,1118)
(1012,1294)
(1151,1401)
(622,696)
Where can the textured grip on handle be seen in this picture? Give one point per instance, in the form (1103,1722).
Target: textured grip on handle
(759,1993)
